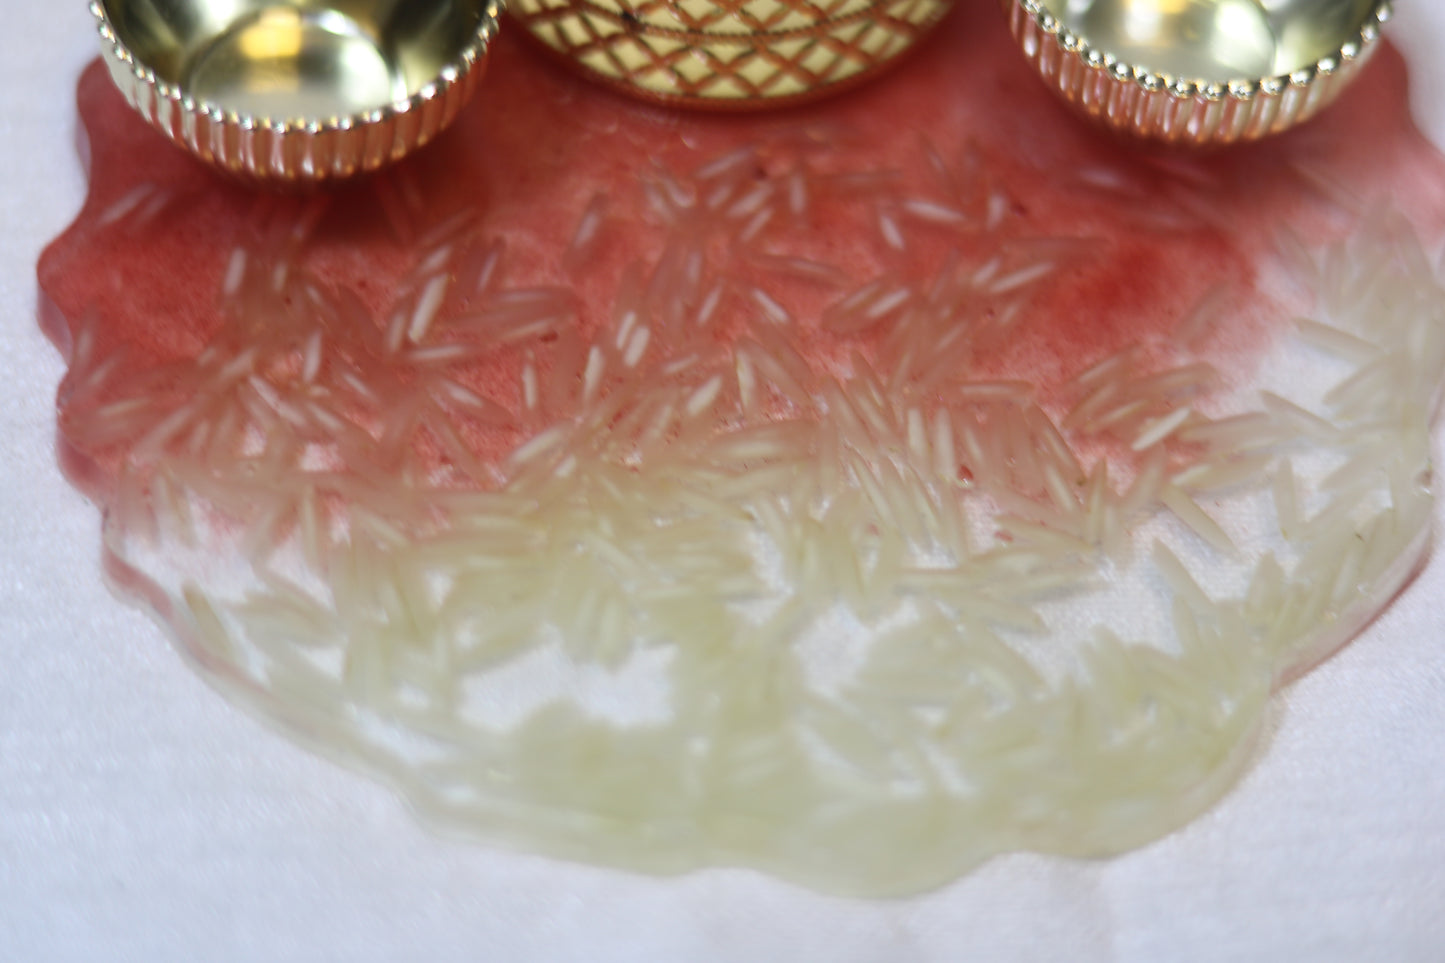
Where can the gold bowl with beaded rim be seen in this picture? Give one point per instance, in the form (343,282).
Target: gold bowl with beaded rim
(1197,72)
(296,94)
(728,54)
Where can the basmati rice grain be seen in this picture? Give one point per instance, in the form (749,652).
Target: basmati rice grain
(1304,421)
(1336,341)
(588,231)
(1184,587)
(755,226)
(1189,512)
(637,347)
(772,310)
(1160,429)
(932,212)
(531,394)
(427,307)
(888,228)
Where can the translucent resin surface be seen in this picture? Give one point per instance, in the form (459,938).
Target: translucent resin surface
(851,493)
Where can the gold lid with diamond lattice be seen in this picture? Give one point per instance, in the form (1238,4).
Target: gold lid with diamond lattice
(736,54)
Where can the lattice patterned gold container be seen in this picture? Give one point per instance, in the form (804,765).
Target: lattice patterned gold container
(729,54)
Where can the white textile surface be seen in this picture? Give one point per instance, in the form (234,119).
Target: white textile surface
(142,817)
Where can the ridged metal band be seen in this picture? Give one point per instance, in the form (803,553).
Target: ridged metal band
(290,153)
(1159,107)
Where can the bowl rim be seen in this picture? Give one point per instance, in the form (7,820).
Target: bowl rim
(450,75)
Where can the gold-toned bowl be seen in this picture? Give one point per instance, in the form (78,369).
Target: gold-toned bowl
(729,54)
(1198,72)
(297,93)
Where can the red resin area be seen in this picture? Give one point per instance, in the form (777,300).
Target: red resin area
(957,157)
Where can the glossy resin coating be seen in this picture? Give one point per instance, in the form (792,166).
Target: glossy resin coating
(850,493)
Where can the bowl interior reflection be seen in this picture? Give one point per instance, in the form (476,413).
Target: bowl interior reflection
(1215,41)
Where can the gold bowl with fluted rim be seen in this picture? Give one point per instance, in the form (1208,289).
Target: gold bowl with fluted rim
(297,93)
(1197,72)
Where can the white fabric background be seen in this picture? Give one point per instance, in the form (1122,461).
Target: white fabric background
(144,818)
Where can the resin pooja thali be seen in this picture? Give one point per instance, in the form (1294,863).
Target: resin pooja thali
(853,492)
